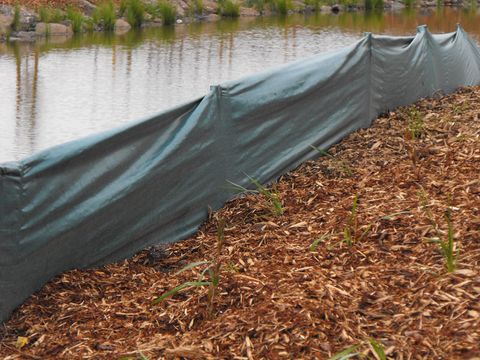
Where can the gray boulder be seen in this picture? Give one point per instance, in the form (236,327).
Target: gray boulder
(43,29)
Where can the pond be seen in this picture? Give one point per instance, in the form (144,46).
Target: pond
(57,90)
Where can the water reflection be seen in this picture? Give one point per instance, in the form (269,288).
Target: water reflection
(60,89)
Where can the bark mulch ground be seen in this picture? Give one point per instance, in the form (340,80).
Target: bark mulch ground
(290,285)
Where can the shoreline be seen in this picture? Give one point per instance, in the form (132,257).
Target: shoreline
(23,23)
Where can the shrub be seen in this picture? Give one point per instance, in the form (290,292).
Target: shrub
(105,15)
(167,11)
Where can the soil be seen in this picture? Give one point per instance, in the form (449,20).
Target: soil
(281,293)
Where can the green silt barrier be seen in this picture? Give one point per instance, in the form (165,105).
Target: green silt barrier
(102,198)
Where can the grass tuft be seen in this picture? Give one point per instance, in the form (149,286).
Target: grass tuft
(374,4)
(351,229)
(447,246)
(282,6)
(415,123)
(50,15)
(196,7)
(134,11)
(339,165)
(167,11)
(16,18)
(229,8)
(76,18)
(213,272)
(104,15)
(271,196)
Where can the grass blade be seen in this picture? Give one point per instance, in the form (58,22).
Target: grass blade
(180,288)
(321,151)
(191,266)
(378,349)
(346,354)
(315,243)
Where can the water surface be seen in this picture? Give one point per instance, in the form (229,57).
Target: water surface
(58,90)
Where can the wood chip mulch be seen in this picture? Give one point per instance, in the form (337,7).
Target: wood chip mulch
(279,297)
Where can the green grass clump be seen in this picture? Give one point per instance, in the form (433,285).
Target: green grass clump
(16,18)
(374,4)
(339,165)
(43,14)
(447,246)
(49,15)
(167,11)
(152,9)
(351,229)
(210,275)
(76,18)
(229,8)
(271,196)
(89,24)
(104,15)
(57,16)
(415,123)
(282,6)
(196,7)
(134,11)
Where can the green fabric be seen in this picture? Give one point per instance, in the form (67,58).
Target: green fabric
(99,199)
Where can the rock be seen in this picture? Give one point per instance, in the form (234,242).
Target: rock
(210,6)
(23,36)
(121,26)
(213,17)
(87,7)
(42,29)
(180,11)
(6,10)
(325,9)
(336,8)
(179,21)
